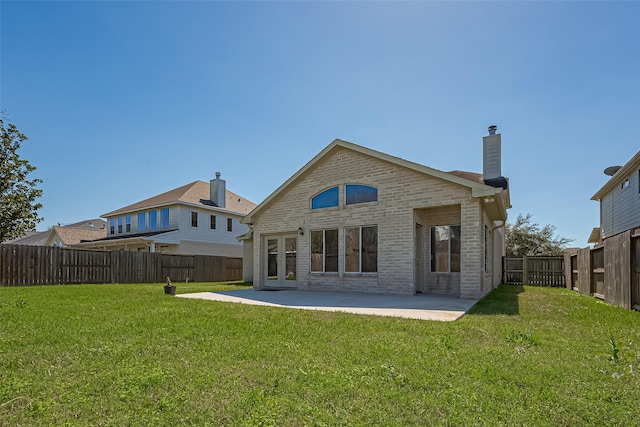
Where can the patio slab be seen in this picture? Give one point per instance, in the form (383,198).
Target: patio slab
(421,306)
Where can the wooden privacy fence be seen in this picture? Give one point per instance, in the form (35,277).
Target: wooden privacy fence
(535,271)
(610,271)
(45,265)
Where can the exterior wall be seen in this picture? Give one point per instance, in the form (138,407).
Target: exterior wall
(200,240)
(247,261)
(620,209)
(471,265)
(201,248)
(204,233)
(400,192)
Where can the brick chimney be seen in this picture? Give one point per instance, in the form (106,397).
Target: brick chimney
(218,191)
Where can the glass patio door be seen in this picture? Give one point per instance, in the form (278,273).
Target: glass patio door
(281,261)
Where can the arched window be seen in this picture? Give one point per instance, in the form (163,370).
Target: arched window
(326,199)
(360,194)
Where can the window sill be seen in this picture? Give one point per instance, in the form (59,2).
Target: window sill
(355,274)
(326,273)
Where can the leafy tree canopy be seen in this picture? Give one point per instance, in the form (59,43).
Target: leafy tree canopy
(18,194)
(526,238)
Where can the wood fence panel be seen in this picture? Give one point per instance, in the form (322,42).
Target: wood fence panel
(570,261)
(617,269)
(514,271)
(178,267)
(535,271)
(635,273)
(33,265)
(234,269)
(585,271)
(545,271)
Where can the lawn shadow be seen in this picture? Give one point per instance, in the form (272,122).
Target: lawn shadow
(502,300)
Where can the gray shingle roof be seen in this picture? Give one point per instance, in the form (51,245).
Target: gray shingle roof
(196,193)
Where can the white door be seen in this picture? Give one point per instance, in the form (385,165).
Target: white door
(280,261)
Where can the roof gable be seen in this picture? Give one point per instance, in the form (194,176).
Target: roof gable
(465,179)
(623,173)
(74,235)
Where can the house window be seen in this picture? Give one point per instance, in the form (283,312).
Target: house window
(119,224)
(127,223)
(326,199)
(112,226)
(324,251)
(164,218)
(360,194)
(361,249)
(153,220)
(142,221)
(194,219)
(625,183)
(445,249)
(229,224)
(212,223)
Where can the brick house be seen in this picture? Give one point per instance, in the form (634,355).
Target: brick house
(358,220)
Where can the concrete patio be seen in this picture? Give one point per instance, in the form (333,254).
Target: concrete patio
(421,306)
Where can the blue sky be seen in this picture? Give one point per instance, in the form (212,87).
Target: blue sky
(125,100)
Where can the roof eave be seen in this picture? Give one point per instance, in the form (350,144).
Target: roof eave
(618,177)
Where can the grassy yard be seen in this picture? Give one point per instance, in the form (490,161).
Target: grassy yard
(122,355)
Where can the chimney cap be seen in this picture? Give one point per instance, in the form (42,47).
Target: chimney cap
(493,129)
(218,175)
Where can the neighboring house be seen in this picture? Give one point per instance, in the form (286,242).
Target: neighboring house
(619,201)
(67,236)
(358,220)
(64,235)
(200,218)
(31,238)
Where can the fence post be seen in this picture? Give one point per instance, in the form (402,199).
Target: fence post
(525,271)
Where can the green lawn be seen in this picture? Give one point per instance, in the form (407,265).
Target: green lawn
(128,355)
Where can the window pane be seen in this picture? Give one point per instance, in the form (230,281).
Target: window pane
(272,259)
(153,220)
(213,222)
(291,248)
(352,249)
(440,249)
(119,224)
(316,251)
(127,222)
(369,249)
(164,218)
(455,248)
(331,250)
(361,194)
(194,219)
(229,224)
(112,226)
(326,199)
(142,221)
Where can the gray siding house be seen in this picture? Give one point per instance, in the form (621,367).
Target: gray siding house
(619,201)
(357,220)
(200,218)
